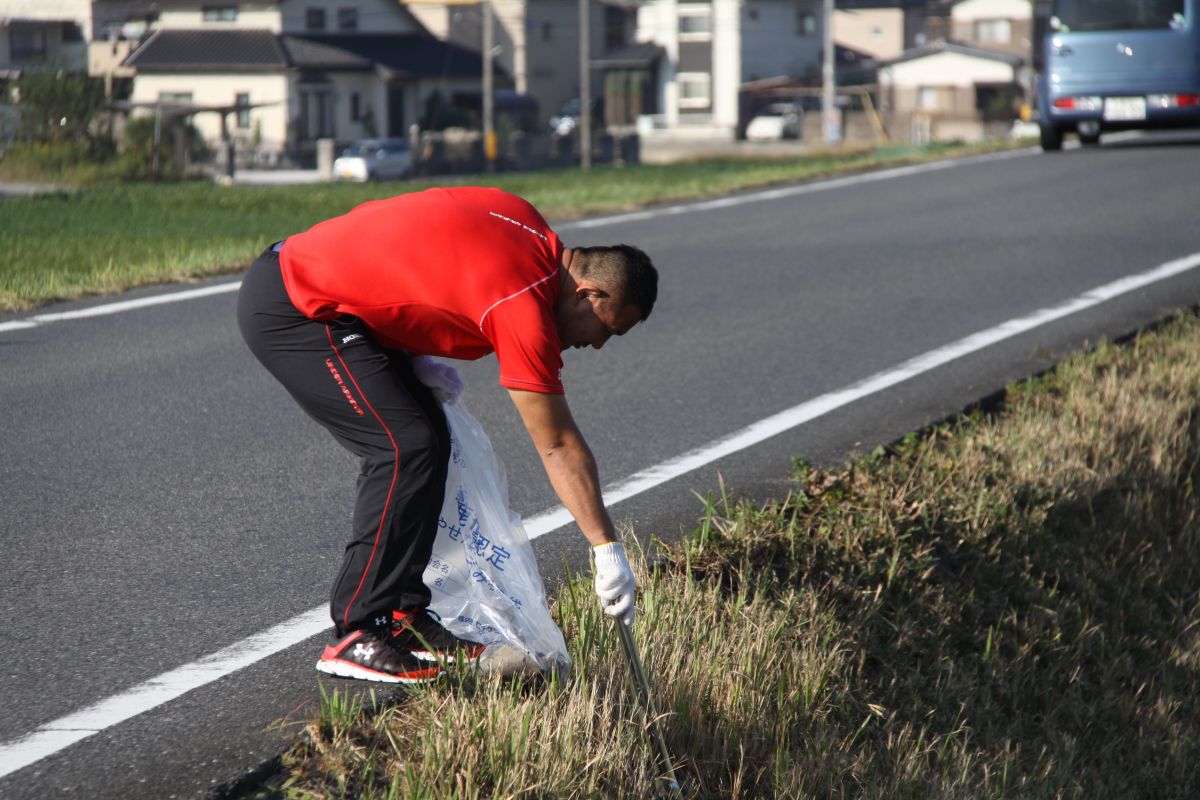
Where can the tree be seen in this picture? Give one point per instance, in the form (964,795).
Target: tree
(58,106)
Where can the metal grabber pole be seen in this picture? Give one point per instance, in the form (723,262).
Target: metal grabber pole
(667,780)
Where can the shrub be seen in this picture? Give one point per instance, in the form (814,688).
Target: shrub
(57,106)
(179,146)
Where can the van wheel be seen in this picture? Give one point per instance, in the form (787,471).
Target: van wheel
(1051,137)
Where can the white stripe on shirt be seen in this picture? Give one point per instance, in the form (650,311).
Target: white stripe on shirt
(514,294)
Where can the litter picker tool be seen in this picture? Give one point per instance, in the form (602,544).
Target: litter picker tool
(667,779)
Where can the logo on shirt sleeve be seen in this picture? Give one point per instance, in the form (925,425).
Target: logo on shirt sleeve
(536,233)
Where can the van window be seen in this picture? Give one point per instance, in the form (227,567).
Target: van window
(1113,15)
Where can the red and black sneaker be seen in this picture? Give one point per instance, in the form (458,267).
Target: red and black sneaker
(373,655)
(419,633)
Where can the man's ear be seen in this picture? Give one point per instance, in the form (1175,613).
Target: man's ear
(586,288)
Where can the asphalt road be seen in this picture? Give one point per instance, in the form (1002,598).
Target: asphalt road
(162,499)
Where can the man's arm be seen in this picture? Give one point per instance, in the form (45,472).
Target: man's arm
(568,461)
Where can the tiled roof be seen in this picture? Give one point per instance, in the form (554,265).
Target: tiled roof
(954,47)
(310,54)
(204,51)
(403,55)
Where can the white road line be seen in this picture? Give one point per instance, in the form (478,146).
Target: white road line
(64,731)
(792,191)
(806,412)
(595,222)
(119,307)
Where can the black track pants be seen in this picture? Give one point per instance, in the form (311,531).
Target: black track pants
(373,404)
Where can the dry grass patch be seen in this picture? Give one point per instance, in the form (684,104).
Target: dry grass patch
(1003,607)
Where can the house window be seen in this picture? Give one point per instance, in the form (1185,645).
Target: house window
(220,13)
(71,32)
(997,31)
(26,44)
(242,101)
(547,31)
(314,19)
(806,20)
(347,19)
(695,23)
(355,107)
(695,90)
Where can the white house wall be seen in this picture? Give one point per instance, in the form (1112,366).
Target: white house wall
(223,90)
(250,16)
(374,16)
(435,17)
(878,32)
(657,21)
(727,64)
(751,40)
(946,69)
(973,10)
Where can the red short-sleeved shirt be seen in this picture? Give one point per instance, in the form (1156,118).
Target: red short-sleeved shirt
(455,272)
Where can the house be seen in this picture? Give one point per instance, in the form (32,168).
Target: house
(876,31)
(946,91)
(118,26)
(883,29)
(283,74)
(710,48)
(537,42)
(1002,25)
(969,86)
(36,33)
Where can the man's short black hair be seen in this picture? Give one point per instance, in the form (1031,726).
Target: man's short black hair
(624,270)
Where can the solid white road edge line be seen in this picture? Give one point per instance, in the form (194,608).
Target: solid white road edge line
(595,222)
(118,307)
(806,412)
(793,191)
(64,731)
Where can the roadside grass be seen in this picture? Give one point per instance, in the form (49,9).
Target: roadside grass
(1002,606)
(109,237)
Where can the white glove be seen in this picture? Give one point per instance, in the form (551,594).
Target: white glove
(443,379)
(615,583)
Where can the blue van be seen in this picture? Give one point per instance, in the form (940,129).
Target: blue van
(1118,65)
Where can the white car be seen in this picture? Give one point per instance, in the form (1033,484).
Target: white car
(374,160)
(775,123)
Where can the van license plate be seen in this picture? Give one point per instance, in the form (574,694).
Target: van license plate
(1124,109)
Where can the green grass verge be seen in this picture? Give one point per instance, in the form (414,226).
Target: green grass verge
(110,237)
(1006,606)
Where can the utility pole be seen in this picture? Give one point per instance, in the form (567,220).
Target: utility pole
(829,120)
(585,87)
(489,132)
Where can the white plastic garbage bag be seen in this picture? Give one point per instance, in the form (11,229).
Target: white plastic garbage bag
(482,574)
